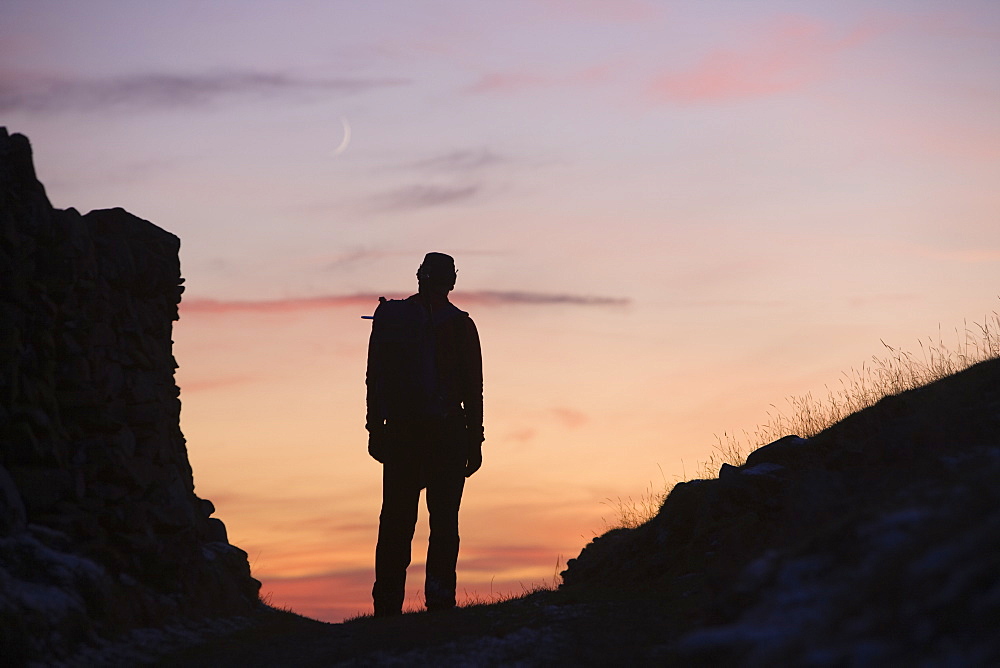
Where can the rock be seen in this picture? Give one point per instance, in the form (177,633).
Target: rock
(12,512)
(207,507)
(41,487)
(871,543)
(93,465)
(215,531)
(783,452)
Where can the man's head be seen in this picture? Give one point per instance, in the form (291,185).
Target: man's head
(437,273)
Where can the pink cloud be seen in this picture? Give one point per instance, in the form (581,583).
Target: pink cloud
(521,435)
(791,54)
(287,305)
(511,297)
(161,90)
(569,417)
(214,383)
(369,301)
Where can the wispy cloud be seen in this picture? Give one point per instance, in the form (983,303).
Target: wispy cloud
(423,196)
(788,55)
(21,93)
(462,160)
(289,305)
(569,417)
(215,383)
(521,434)
(500,298)
(519,80)
(369,300)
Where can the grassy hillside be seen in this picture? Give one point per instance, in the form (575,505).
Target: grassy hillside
(826,544)
(885,375)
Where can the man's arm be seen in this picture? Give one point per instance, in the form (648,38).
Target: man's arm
(374,422)
(472,396)
(472,390)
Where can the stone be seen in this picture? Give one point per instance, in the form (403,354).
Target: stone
(93,465)
(12,513)
(207,507)
(215,531)
(40,487)
(782,451)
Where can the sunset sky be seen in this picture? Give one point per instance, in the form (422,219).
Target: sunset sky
(666,217)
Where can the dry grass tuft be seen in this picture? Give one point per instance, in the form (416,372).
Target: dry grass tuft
(475,599)
(630,512)
(895,372)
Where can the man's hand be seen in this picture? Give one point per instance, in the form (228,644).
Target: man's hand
(474,458)
(377,446)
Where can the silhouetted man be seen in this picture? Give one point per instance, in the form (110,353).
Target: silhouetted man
(425,425)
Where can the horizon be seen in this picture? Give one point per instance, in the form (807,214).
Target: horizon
(666,217)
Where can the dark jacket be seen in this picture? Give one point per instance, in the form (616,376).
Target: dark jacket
(458,362)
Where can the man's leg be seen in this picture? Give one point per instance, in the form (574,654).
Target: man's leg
(444,496)
(400,496)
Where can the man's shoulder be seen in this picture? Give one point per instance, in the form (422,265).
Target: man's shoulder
(451,314)
(398,311)
(444,306)
(417,307)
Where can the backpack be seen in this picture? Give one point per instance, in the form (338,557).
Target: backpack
(403,349)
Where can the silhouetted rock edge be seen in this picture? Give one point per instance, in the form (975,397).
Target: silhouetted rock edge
(875,541)
(100,528)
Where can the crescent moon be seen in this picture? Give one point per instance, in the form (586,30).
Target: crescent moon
(347,137)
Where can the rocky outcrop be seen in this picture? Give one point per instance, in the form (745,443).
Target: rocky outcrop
(874,542)
(100,528)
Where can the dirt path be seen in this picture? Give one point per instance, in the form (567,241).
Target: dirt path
(546,628)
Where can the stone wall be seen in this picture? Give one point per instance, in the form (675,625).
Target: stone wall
(100,528)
